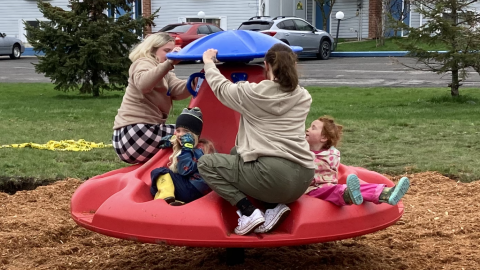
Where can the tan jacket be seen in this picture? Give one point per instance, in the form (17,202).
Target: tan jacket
(145,100)
(272,122)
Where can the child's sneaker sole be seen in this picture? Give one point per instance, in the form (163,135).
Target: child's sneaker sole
(400,189)
(353,187)
(177,203)
(170,200)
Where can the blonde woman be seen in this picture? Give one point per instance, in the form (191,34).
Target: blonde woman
(140,121)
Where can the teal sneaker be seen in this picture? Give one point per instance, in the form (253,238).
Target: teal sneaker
(395,194)
(353,190)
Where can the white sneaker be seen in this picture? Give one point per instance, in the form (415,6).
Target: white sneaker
(273,217)
(246,224)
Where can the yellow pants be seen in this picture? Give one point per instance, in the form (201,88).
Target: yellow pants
(165,187)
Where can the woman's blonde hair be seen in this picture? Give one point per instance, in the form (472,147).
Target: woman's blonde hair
(177,149)
(149,46)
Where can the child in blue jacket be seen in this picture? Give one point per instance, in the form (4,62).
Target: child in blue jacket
(180,182)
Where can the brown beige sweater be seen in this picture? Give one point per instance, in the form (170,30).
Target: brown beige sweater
(145,101)
(272,122)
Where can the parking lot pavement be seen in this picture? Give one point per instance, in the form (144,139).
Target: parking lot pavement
(337,71)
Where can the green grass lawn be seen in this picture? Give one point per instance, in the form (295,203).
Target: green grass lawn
(389,130)
(391,44)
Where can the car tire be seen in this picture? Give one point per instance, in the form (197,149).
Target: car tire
(324,50)
(285,41)
(16,52)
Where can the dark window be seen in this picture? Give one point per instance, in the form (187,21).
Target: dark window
(203,30)
(288,25)
(208,20)
(465,18)
(215,29)
(176,28)
(35,24)
(255,26)
(280,25)
(303,26)
(138,9)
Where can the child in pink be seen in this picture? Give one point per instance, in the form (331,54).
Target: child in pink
(322,136)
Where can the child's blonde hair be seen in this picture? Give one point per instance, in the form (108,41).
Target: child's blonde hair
(331,130)
(204,144)
(177,149)
(149,46)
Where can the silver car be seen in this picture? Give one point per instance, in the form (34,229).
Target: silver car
(294,32)
(11,46)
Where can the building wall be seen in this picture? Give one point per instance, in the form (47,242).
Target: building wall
(414,17)
(231,13)
(289,8)
(14,11)
(353,24)
(310,6)
(11,23)
(417,19)
(476,6)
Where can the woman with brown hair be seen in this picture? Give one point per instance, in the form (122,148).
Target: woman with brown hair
(271,160)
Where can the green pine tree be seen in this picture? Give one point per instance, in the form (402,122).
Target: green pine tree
(84,48)
(450,23)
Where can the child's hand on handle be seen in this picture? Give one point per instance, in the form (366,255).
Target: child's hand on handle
(210,56)
(187,141)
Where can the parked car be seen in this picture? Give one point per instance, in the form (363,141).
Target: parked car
(185,33)
(293,31)
(11,46)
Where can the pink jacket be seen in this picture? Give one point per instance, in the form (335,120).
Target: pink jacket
(326,168)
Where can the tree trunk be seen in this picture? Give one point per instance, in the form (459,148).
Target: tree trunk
(455,84)
(95,84)
(325,20)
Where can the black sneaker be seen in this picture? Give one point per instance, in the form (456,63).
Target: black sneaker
(170,200)
(177,203)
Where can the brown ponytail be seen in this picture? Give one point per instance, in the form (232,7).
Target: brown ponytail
(283,62)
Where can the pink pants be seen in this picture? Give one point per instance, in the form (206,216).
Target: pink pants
(334,193)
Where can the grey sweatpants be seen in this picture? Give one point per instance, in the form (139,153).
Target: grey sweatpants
(268,179)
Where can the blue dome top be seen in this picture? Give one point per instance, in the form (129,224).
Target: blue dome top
(232,45)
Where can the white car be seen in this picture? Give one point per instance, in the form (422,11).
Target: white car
(294,32)
(11,46)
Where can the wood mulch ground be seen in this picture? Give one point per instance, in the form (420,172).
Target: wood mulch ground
(439,230)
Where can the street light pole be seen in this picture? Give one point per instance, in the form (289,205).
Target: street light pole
(339,15)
